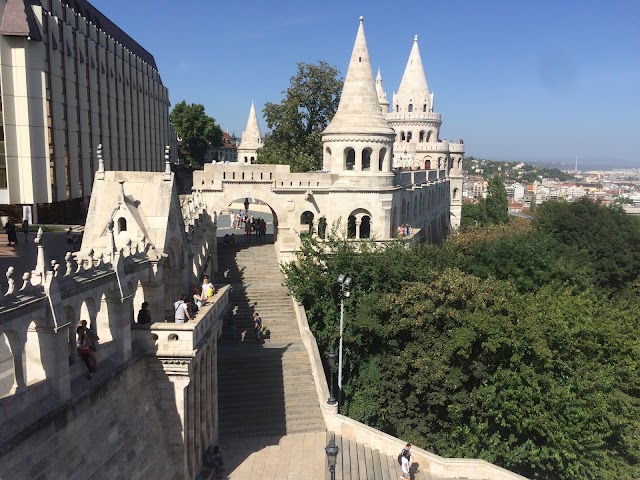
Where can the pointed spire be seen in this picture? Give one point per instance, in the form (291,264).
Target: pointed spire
(382,96)
(359,108)
(413,87)
(252,137)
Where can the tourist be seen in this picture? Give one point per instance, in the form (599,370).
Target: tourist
(144,315)
(257,328)
(197,297)
(25,230)
(208,290)
(181,310)
(11,232)
(83,347)
(407,449)
(232,219)
(400,231)
(94,342)
(70,238)
(247,231)
(406,465)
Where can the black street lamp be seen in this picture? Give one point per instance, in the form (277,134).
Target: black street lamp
(332,454)
(331,359)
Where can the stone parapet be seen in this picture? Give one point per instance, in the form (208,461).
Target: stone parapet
(414,116)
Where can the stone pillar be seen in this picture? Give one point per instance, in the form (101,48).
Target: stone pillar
(358,163)
(154,293)
(120,323)
(358,222)
(189,429)
(55,361)
(19,369)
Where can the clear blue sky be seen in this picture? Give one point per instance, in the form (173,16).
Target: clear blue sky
(518,80)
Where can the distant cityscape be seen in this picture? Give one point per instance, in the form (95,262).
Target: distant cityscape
(529,185)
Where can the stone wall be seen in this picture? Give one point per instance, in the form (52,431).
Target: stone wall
(113,431)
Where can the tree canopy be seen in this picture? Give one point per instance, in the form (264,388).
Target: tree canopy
(517,343)
(297,122)
(196,129)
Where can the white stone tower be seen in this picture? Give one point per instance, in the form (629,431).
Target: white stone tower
(251,139)
(358,143)
(417,128)
(382,96)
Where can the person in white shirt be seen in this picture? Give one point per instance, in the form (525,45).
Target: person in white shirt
(182,310)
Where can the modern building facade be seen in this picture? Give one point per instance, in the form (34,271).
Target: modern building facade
(71,81)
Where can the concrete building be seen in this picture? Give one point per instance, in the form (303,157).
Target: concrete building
(71,80)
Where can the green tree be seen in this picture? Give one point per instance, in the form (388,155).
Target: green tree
(196,129)
(473,214)
(496,202)
(297,122)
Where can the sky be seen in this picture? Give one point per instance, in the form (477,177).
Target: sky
(544,81)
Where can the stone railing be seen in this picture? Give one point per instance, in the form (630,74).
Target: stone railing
(414,117)
(181,339)
(375,439)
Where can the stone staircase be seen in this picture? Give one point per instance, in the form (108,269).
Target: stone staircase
(271,425)
(359,462)
(263,389)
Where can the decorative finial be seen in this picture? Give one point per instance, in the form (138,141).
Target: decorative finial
(100,160)
(361,19)
(121,200)
(415,39)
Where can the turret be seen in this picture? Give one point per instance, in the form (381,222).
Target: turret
(359,142)
(382,96)
(251,139)
(413,94)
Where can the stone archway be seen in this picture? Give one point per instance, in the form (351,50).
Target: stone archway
(254,205)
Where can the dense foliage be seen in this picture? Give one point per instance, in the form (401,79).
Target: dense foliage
(491,210)
(297,122)
(197,130)
(517,343)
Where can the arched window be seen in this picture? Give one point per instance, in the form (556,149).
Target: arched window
(455,193)
(424,107)
(351,227)
(410,108)
(306,219)
(322,227)
(427,164)
(428,136)
(252,159)
(365,227)
(402,137)
(349,159)
(122,224)
(383,153)
(409,136)
(366,159)
(421,137)
(397,109)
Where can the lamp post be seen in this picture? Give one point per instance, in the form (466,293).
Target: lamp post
(332,451)
(331,359)
(345,283)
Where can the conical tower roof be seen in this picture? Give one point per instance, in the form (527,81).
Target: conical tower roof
(359,108)
(413,86)
(382,96)
(251,137)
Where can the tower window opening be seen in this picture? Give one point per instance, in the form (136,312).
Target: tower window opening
(397,109)
(402,136)
(424,107)
(122,224)
(409,136)
(360,59)
(410,107)
(350,159)
(366,159)
(421,137)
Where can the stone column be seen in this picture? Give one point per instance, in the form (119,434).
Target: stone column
(358,222)
(19,369)
(120,323)
(55,361)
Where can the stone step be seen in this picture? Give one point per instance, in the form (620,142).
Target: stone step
(263,389)
(356,461)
